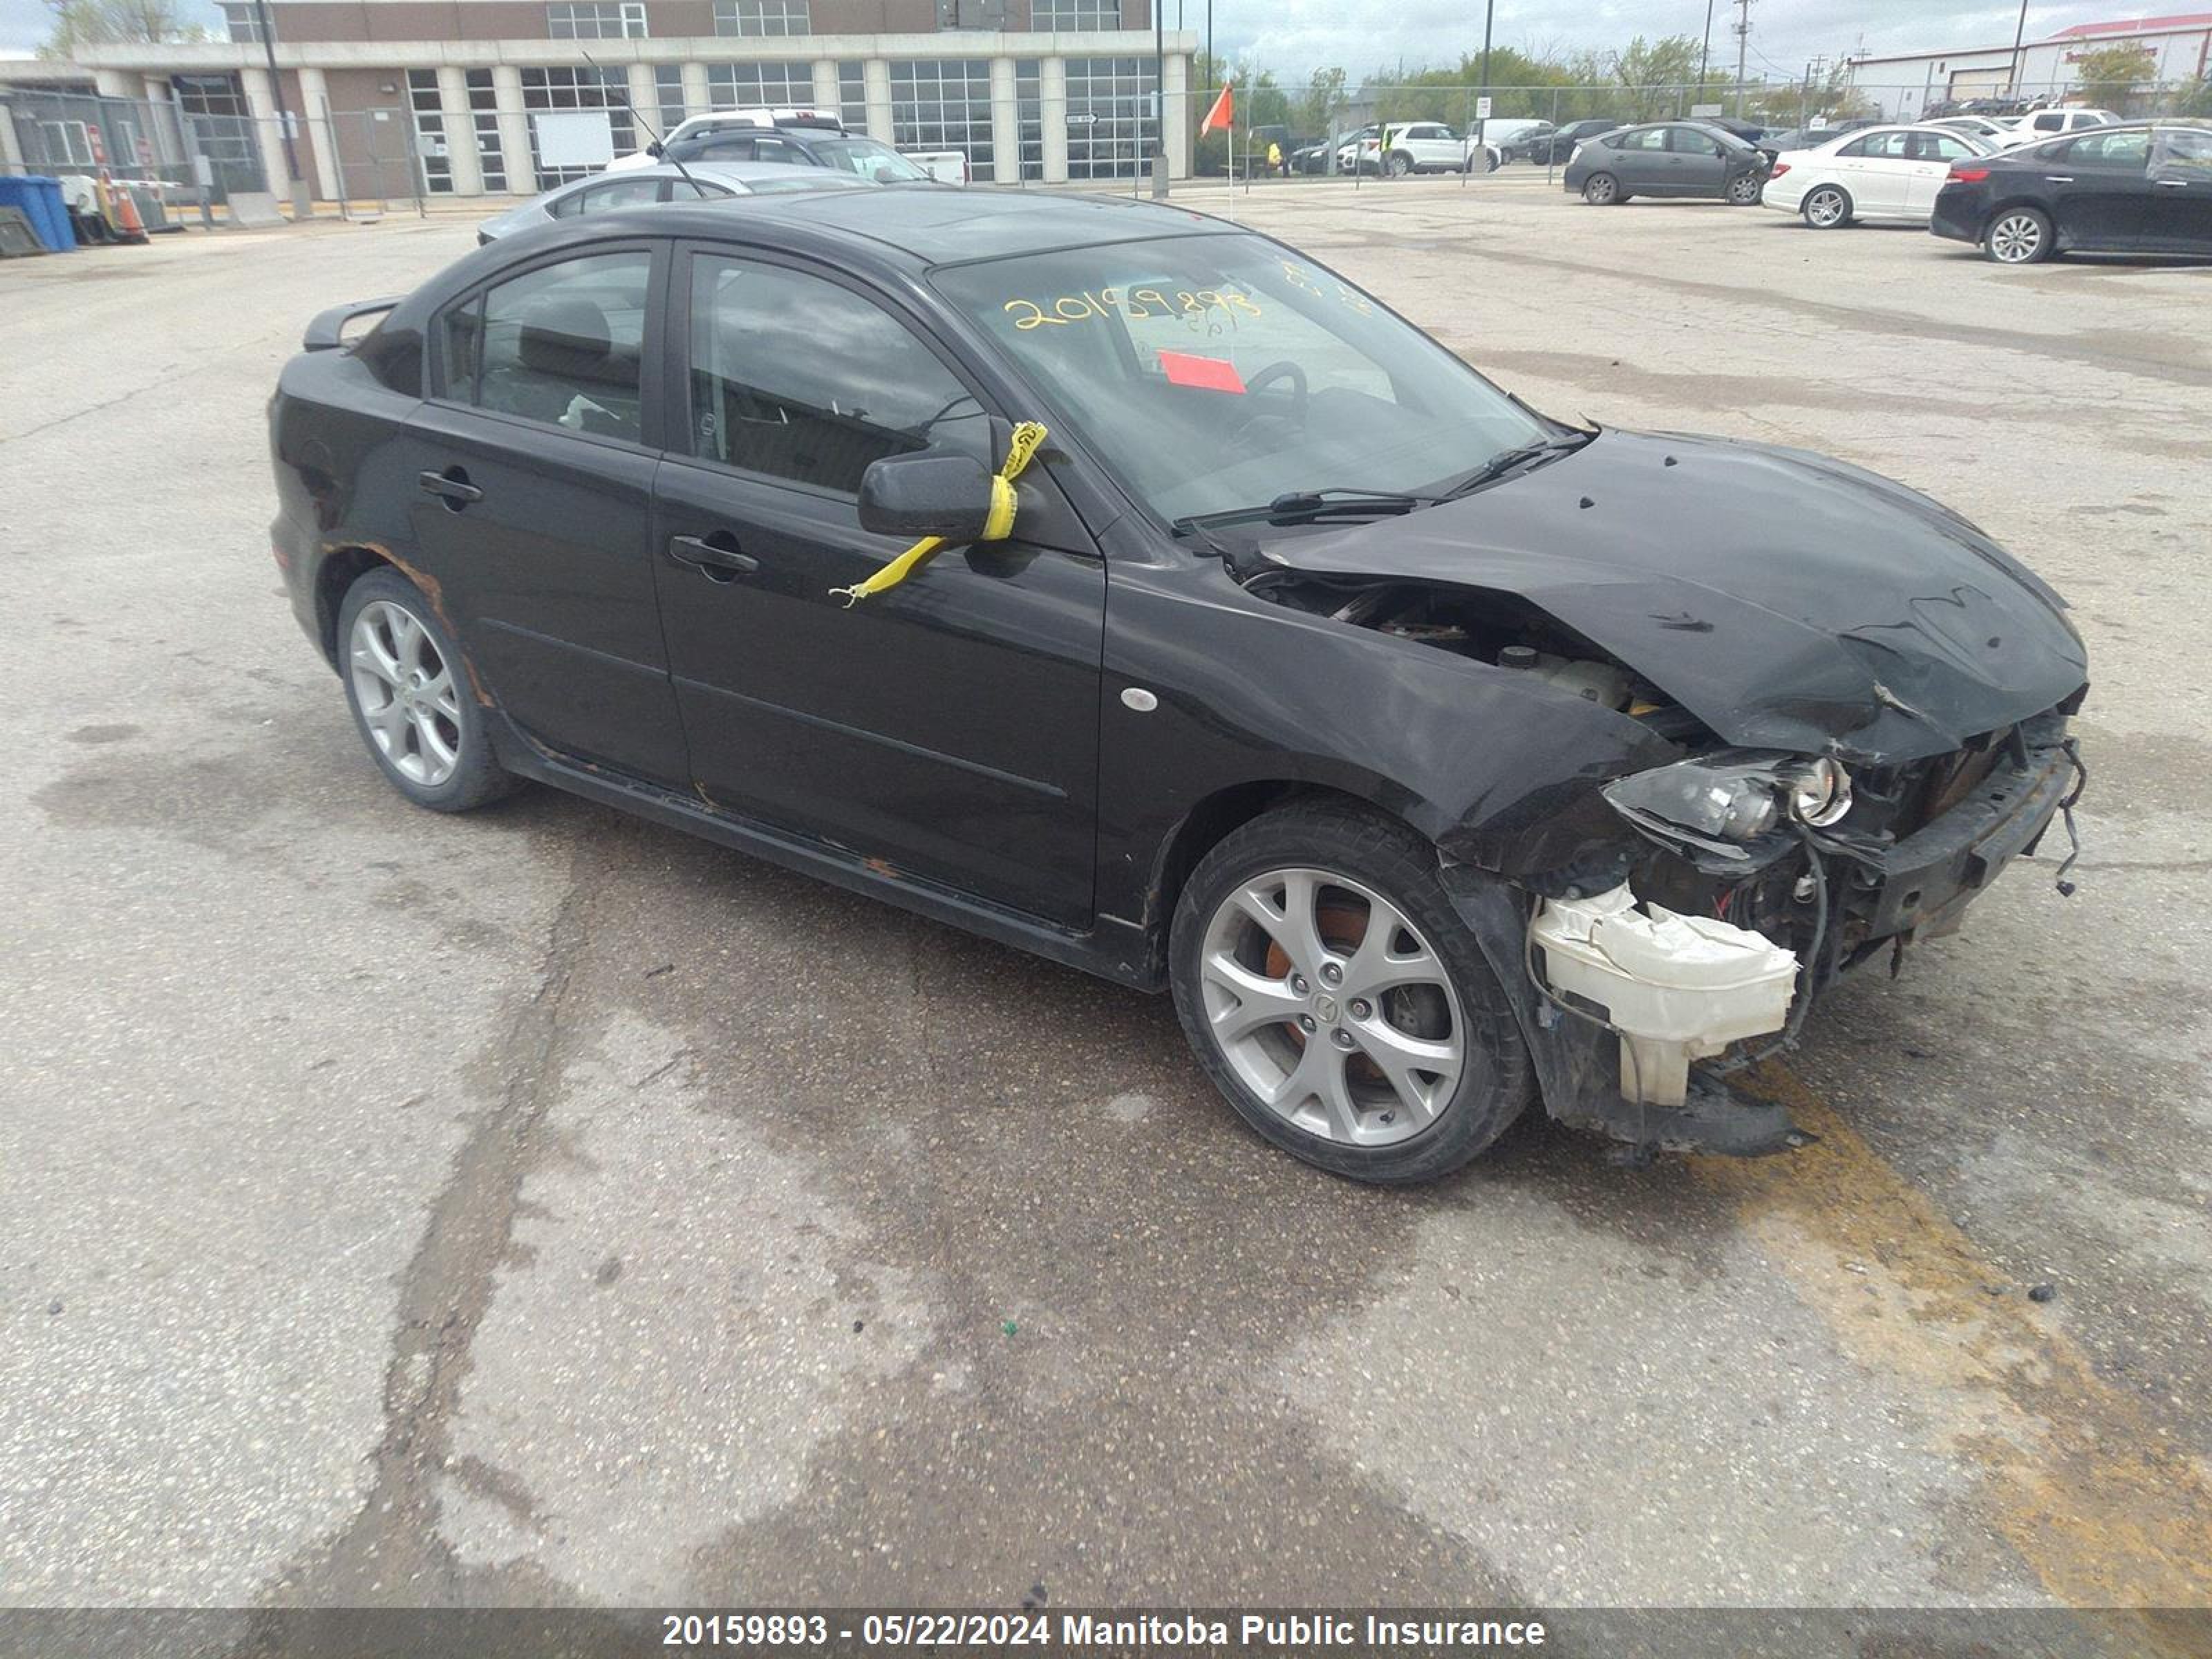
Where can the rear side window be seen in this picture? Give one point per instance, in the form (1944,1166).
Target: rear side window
(562,344)
(1881,146)
(1650,139)
(1686,141)
(2124,152)
(814,404)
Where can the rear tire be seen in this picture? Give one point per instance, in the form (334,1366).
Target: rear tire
(412,697)
(1602,190)
(1826,207)
(1744,190)
(1405,1082)
(1399,165)
(2019,236)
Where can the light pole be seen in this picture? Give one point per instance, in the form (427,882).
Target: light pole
(2019,34)
(1704,50)
(301,204)
(1159,101)
(1482,120)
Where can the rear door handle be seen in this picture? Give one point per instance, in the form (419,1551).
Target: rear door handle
(2057,178)
(717,554)
(451,486)
(2171,184)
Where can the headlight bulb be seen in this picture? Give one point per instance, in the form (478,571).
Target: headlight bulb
(1819,792)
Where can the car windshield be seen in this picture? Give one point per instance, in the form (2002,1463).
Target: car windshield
(867,158)
(1218,372)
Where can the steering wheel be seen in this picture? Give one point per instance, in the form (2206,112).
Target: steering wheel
(1266,422)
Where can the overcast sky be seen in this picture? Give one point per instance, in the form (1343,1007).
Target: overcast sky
(1294,36)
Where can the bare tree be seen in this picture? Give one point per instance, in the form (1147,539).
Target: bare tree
(99,22)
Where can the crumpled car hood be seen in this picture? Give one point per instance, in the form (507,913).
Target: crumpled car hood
(1787,600)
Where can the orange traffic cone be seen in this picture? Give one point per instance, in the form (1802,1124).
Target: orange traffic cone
(129,227)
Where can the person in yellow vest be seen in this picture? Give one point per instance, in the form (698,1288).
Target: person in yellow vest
(1275,158)
(1383,152)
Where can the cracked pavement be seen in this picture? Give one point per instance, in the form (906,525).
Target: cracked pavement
(542,1207)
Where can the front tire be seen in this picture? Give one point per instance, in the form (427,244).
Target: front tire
(1601,190)
(1399,165)
(2019,236)
(1826,207)
(1336,998)
(409,688)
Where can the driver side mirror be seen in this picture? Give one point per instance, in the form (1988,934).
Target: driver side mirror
(654,149)
(932,492)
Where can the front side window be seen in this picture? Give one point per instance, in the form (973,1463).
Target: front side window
(562,344)
(798,378)
(1688,141)
(2183,153)
(1213,372)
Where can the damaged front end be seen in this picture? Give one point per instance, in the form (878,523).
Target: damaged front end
(1861,741)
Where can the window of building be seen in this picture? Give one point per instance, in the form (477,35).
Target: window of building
(483,120)
(814,406)
(562,344)
(596,20)
(761,17)
(779,86)
(429,114)
(242,22)
(944,103)
(668,94)
(1064,15)
(1118,92)
(853,96)
(219,124)
(571,88)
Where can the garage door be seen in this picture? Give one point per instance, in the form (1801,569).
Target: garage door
(1978,83)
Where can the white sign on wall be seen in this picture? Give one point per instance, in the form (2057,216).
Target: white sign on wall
(1701,110)
(574,138)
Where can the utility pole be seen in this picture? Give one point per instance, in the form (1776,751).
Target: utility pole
(2019,34)
(1742,27)
(1489,8)
(1704,50)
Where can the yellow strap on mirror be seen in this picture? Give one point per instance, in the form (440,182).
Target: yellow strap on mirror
(997,524)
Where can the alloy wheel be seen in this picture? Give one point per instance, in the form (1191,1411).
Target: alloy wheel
(1599,190)
(1744,190)
(2015,239)
(1824,208)
(1331,1007)
(404,690)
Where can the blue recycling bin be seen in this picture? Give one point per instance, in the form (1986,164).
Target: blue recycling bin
(40,199)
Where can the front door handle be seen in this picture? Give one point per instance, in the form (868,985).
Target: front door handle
(2171,184)
(717,556)
(452,487)
(2057,178)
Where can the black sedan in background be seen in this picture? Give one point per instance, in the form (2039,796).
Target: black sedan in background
(1667,158)
(1553,148)
(2140,188)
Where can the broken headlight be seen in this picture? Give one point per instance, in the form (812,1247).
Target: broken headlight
(1726,805)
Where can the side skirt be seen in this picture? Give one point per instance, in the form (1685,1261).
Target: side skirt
(1113,950)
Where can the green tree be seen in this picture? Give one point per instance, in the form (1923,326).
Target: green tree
(80,23)
(2112,76)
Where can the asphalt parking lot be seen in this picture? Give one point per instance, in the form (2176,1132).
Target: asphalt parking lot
(543,1206)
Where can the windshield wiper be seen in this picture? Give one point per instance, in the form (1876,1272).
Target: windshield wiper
(1303,505)
(1508,460)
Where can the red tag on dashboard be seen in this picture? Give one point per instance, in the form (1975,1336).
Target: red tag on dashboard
(1210,374)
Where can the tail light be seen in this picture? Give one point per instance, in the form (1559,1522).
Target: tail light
(1960,173)
(1778,169)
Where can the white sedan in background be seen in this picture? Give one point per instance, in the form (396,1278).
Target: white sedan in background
(1874,173)
(660,181)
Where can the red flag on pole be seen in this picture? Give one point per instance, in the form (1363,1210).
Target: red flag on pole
(1222,113)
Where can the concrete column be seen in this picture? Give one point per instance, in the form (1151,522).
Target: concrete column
(697,100)
(1006,124)
(645,99)
(267,132)
(314,99)
(11,155)
(514,128)
(1052,110)
(877,73)
(826,95)
(1175,133)
(460,131)
(114,84)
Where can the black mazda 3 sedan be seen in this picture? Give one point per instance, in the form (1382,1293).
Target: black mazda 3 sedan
(1123,585)
(2140,188)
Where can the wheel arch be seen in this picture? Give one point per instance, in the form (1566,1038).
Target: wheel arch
(340,568)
